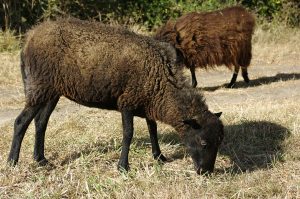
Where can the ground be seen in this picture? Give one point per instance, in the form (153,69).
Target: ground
(260,155)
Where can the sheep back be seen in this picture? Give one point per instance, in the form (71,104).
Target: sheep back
(94,64)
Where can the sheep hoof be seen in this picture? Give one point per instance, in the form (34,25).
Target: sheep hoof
(12,163)
(43,162)
(161,158)
(123,167)
(230,85)
(194,84)
(247,80)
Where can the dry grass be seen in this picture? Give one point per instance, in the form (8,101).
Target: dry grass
(276,45)
(9,42)
(11,86)
(259,158)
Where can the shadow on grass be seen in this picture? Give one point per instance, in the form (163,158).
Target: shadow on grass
(102,147)
(254,144)
(258,82)
(250,145)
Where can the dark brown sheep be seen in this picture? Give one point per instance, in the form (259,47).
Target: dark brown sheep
(112,68)
(210,39)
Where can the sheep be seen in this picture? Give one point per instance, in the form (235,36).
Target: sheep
(210,39)
(111,68)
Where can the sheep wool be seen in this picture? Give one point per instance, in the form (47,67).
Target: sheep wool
(211,39)
(108,67)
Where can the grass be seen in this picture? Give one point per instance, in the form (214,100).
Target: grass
(259,158)
(9,42)
(276,44)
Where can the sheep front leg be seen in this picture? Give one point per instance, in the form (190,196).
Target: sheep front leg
(127,123)
(152,127)
(234,76)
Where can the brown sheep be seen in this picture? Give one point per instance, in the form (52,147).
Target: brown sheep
(210,39)
(112,68)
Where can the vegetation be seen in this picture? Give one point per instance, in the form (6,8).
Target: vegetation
(20,15)
(9,42)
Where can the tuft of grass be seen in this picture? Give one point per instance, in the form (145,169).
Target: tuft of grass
(9,42)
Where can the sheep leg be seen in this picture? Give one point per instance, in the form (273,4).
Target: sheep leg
(234,76)
(194,80)
(41,121)
(245,74)
(152,127)
(20,126)
(127,123)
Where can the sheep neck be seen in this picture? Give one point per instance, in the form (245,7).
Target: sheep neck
(176,105)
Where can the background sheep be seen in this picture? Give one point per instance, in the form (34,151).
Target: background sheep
(211,39)
(112,68)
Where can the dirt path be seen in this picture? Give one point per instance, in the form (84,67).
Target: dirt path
(272,82)
(275,82)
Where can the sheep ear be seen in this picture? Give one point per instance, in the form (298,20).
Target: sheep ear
(193,123)
(200,141)
(218,114)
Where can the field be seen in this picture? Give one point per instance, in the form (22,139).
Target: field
(259,158)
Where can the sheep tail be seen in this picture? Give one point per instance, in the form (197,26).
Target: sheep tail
(23,73)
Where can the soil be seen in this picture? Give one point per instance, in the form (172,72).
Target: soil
(276,82)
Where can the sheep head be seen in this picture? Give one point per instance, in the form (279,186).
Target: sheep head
(202,141)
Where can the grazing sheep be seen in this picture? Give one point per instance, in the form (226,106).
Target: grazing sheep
(212,39)
(112,68)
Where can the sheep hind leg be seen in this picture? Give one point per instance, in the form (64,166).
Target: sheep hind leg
(152,127)
(234,76)
(194,80)
(127,123)
(41,121)
(245,74)
(20,126)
